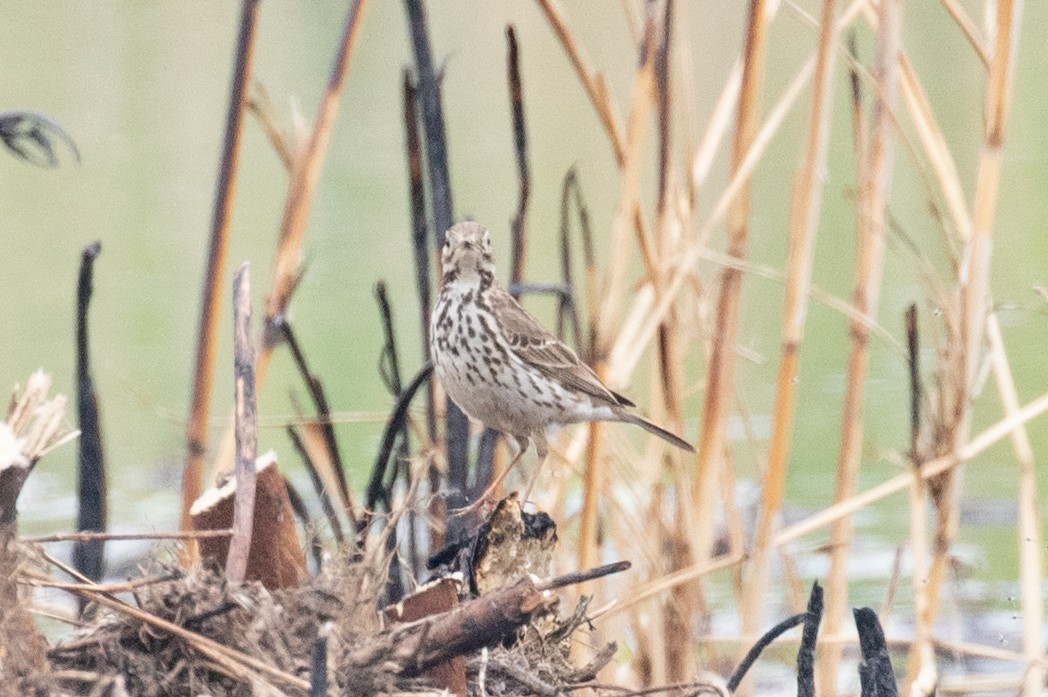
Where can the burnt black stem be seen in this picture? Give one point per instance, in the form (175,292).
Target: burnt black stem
(763,643)
(88,555)
(320,403)
(567,309)
(457,433)
(913,351)
(377,491)
(298,505)
(419,230)
(806,652)
(318,679)
(318,484)
(876,677)
(520,143)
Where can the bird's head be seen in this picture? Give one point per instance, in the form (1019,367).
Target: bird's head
(467,254)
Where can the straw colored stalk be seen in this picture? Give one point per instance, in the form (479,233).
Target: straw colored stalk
(875,173)
(710,459)
(592,81)
(647,316)
(932,468)
(615,288)
(804,220)
(197,424)
(974,290)
(1030,554)
(667,239)
(304,177)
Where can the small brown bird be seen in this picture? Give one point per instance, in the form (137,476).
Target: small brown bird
(501,367)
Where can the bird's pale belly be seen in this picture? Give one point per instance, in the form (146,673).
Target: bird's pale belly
(491,384)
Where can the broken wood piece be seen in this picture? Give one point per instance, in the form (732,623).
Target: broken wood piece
(434,598)
(413,648)
(512,543)
(275,557)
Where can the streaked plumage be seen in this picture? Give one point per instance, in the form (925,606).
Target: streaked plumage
(500,365)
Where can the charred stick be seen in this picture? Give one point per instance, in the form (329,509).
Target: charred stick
(520,143)
(875,671)
(397,418)
(419,243)
(809,635)
(88,554)
(913,351)
(457,433)
(320,403)
(318,485)
(764,642)
(298,505)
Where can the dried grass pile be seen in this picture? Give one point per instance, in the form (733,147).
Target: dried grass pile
(336,610)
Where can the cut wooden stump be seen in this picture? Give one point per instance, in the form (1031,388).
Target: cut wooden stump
(276,558)
(434,598)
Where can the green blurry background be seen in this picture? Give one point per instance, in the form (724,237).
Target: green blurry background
(142,87)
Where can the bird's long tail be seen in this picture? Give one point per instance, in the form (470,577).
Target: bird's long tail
(656,430)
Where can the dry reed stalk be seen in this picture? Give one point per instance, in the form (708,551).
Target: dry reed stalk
(720,370)
(971,32)
(615,288)
(1031,559)
(874,179)
(287,256)
(805,208)
(304,177)
(73,536)
(629,345)
(932,468)
(973,281)
(592,81)
(197,424)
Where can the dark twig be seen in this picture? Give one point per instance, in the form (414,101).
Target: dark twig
(318,484)
(389,369)
(520,142)
(489,440)
(388,362)
(196,426)
(88,555)
(320,403)
(31,137)
(575,577)
(763,643)
(419,243)
(875,671)
(318,680)
(245,427)
(913,351)
(376,492)
(806,652)
(457,432)
(567,306)
(298,505)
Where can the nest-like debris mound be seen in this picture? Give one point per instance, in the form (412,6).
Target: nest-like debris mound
(125,655)
(538,663)
(280,628)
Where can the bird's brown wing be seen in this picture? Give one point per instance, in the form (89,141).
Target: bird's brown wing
(543,351)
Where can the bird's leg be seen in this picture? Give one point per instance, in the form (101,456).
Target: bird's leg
(542,449)
(523,442)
